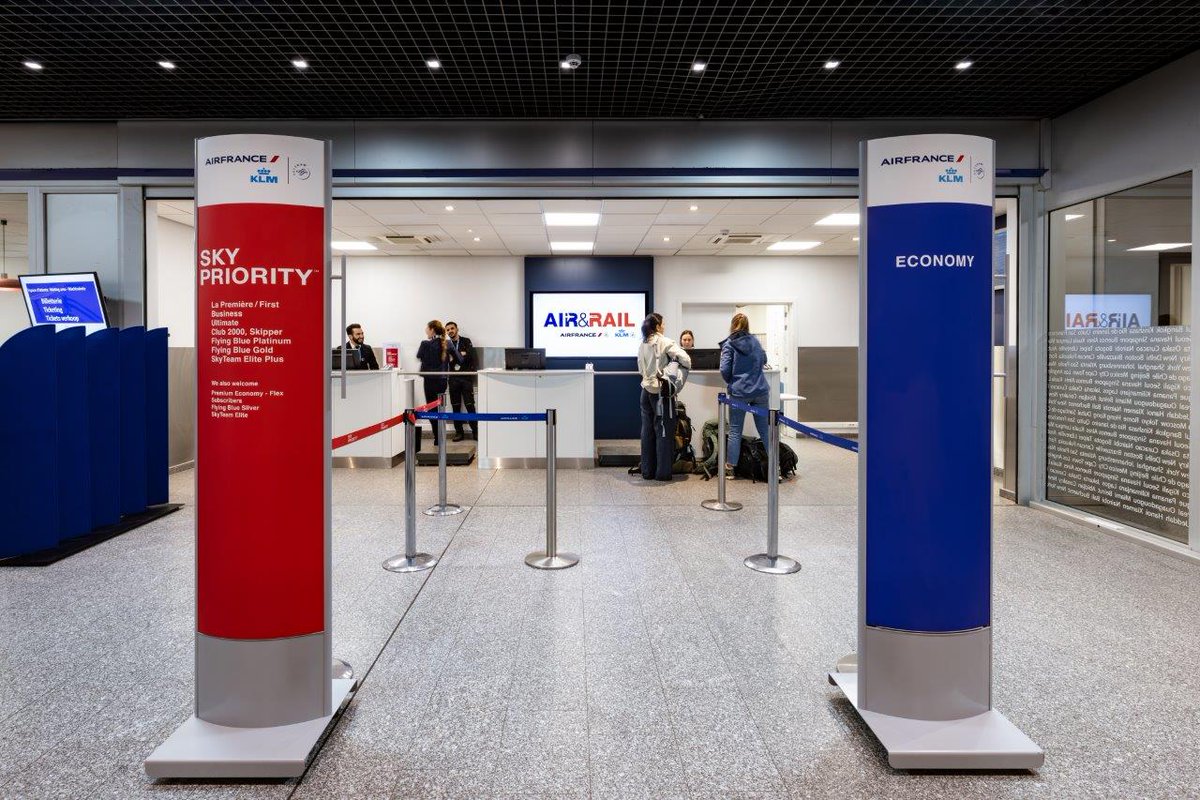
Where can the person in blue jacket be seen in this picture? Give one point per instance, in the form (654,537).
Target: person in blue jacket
(742,363)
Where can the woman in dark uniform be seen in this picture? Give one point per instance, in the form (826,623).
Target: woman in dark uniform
(433,357)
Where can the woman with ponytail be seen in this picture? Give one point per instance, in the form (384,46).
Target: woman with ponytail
(434,357)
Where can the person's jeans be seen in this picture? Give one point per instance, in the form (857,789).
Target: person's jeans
(658,438)
(737,420)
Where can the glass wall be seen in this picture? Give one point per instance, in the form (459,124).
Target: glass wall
(1119,349)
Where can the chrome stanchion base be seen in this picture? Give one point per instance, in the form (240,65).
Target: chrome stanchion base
(403,563)
(717,505)
(448,510)
(341,670)
(540,560)
(779,565)
(847,663)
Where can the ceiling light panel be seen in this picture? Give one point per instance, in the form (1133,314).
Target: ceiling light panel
(845,218)
(575,219)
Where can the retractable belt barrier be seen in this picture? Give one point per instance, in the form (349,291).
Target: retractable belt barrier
(821,436)
(378,427)
(411,560)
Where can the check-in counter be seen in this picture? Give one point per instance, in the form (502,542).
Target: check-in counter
(700,396)
(506,445)
(372,396)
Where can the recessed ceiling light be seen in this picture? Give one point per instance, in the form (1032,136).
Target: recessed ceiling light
(666,238)
(963,65)
(433,63)
(167,64)
(849,218)
(33,65)
(854,238)
(1110,240)
(477,238)
(575,246)
(299,63)
(693,208)
(1069,217)
(353,246)
(1159,246)
(699,66)
(793,246)
(574,218)
(449,208)
(832,64)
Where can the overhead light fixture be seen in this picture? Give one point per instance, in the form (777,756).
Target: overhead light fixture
(33,65)
(666,238)
(1158,247)
(299,63)
(449,208)
(1069,217)
(578,219)
(786,246)
(832,64)
(699,66)
(960,66)
(1110,240)
(167,64)
(693,208)
(572,61)
(848,218)
(348,246)
(572,246)
(477,238)
(854,238)
(433,63)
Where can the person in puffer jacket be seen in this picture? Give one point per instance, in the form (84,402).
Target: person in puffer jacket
(742,363)
(658,418)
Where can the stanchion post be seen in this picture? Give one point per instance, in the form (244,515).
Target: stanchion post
(720,504)
(410,560)
(443,509)
(771,562)
(550,558)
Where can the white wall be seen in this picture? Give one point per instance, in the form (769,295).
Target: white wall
(13,316)
(393,297)
(171,279)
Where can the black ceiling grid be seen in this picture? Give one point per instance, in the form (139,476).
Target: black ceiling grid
(501,59)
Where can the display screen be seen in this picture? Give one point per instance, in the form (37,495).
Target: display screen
(587,324)
(65,301)
(1108,311)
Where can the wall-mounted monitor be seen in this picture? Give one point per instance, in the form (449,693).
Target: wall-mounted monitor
(65,301)
(587,324)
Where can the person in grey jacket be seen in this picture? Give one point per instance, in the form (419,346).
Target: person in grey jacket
(658,418)
(742,363)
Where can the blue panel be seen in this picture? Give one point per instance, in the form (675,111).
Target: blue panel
(133,420)
(74,448)
(616,399)
(157,466)
(928,425)
(104,430)
(28,438)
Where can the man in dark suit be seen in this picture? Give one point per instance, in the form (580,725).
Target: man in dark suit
(462,378)
(359,355)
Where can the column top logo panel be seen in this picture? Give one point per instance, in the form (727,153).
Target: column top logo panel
(260,168)
(930,168)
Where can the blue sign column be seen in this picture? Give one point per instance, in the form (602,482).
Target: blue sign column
(924,670)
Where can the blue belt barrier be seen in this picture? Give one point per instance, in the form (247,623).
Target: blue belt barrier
(827,438)
(450,416)
(738,404)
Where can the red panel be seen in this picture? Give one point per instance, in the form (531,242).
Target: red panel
(261,460)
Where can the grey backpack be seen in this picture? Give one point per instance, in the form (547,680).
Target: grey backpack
(672,378)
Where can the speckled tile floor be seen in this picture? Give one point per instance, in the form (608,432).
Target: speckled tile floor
(659,668)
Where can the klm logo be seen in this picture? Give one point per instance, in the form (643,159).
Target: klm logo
(951,175)
(264,176)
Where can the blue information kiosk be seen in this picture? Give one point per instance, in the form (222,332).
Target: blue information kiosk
(923,674)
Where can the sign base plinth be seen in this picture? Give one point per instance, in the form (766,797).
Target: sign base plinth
(985,741)
(199,749)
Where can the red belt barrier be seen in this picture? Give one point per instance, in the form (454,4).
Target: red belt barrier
(362,433)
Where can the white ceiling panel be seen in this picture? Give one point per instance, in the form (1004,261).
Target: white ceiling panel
(654,252)
(516,220)
(675,231)
(633,206)
(570,233)
(376,207)
(755,206)
(438,207)
(627,220)
(820,206)
(493,207)
(572,205)
(746,223)
(707,205)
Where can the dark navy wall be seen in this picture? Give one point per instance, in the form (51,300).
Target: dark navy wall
(616,401)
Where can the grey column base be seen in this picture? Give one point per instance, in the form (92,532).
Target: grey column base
(984,741)
(251,683)
(200,749)
(540,560)
(717,505)
(925,675)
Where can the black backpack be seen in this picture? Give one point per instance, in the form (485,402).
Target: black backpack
(685,454)
(752,461)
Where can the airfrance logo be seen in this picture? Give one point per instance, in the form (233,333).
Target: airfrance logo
(929,158)
(240,159)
